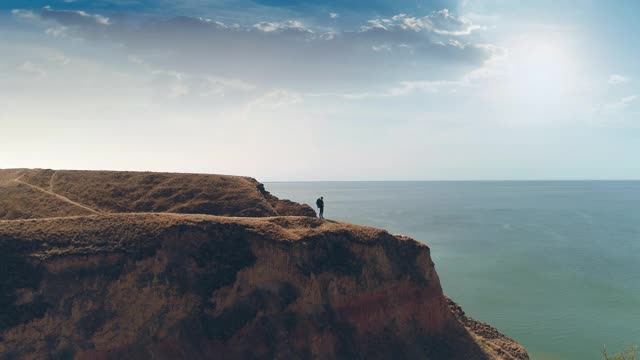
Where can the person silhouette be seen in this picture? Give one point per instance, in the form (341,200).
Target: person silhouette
(320,204)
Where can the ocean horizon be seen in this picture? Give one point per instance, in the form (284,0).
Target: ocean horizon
(553,264)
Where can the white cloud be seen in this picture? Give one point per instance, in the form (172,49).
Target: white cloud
(383,47)
(219,24)
(279,54)
(99,19)
(58,58)
(444,23)
(328,35)
(620,113)
(438,22)
(63,18)
(375,24)
(234,84)
(29,67)
(70,14)
(494,67)
(615,79)
(179,84)
(278,98)
(273,100)
(334,15)
(57,31)
(619,104)
(282,26)
(177,90)
(136,60)
(25,14)
(434,86)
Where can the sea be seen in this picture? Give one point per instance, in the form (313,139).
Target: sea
(553,264)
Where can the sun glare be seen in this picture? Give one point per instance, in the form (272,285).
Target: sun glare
(540,69)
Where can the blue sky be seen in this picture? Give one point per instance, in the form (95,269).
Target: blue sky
(333,90)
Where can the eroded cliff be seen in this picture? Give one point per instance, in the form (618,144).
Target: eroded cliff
(166,286)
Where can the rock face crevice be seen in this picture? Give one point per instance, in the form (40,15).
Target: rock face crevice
(178,286)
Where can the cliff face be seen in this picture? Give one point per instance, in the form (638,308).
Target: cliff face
(170,286)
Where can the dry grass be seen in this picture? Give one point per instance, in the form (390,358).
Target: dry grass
(7,175)
(117,232)
(19,201)
(119,191)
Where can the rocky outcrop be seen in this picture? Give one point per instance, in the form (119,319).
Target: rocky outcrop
(487,335)
(178,286)
(286,207)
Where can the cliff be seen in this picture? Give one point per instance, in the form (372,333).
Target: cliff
(92,278)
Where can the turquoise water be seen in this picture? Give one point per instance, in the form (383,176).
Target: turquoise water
(555,265)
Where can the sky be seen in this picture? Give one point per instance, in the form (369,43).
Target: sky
(287,90)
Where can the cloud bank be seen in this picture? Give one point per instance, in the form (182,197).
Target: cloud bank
(288,53)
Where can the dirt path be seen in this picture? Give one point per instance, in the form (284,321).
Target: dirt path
(60,197)
(51,180)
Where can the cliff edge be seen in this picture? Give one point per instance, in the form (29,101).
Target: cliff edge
(137,275)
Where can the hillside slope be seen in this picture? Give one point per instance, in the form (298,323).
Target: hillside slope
(107,285)
(24,194)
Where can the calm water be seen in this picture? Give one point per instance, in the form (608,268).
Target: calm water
(555,265)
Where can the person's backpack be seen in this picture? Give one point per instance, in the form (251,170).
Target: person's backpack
(319,203)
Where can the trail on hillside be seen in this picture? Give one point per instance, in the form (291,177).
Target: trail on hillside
(51,180)
(58,196)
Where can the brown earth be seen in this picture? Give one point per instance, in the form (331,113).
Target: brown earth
(81,280)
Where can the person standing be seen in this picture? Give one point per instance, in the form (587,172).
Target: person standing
(320,204)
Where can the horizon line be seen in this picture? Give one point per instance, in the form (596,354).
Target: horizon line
(461,180)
